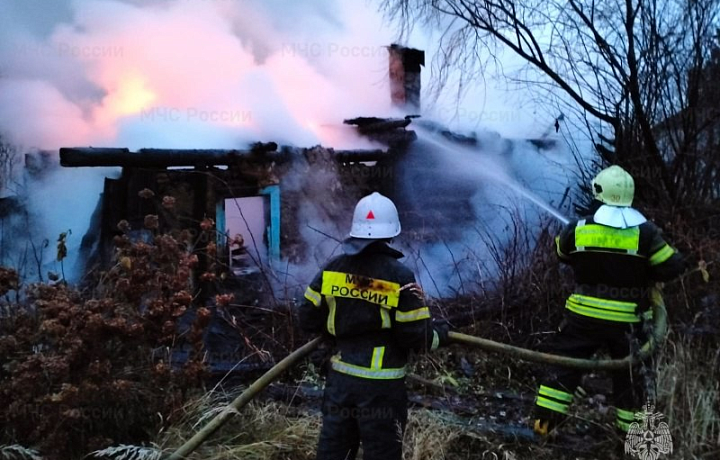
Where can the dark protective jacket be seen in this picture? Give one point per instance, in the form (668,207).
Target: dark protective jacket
(614,268)
(357,299)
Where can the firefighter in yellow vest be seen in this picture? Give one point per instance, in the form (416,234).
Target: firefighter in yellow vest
(365,300)
(616,255)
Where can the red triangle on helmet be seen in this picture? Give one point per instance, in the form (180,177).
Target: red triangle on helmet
(370,215)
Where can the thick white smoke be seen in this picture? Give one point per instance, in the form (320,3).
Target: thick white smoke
(221,74)
(167,73)
(182,74)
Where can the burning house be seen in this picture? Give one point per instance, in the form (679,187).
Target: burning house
(254,196)
(272,203)
(280,211)
(266,202)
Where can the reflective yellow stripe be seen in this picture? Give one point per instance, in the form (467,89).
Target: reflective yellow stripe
(557,394)
(313,296)
(385,315)
(377,358)
(662,255)
(366,372)
(331,315)
(560,254)
(625,415)
(381,292)
(436,341)
(600,236)
(412,315)
(552,405)
(605,304)
(601,314)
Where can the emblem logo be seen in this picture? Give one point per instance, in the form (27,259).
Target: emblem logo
(648,438)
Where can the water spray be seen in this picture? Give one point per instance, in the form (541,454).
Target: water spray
(493,173)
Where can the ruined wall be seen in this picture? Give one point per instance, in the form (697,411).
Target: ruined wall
(317,194)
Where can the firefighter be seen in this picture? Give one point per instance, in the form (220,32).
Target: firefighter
(616,255)
(370,304)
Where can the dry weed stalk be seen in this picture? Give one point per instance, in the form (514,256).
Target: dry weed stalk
(17,452)
(125,452)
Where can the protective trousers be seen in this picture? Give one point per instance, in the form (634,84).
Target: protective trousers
(581,337)
(362,411)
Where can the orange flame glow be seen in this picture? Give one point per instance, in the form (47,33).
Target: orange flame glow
(130,97)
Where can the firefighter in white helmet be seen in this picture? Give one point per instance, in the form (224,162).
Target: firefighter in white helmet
(369,302)
(616,255)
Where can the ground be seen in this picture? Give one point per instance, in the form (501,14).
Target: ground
(463,405)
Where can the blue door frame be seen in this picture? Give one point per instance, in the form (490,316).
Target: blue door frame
(272,230)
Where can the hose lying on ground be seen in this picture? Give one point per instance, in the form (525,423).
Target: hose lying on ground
(656,338)
(246,396)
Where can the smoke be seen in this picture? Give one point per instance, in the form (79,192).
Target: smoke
(161,73)
(221,74)
(180,74)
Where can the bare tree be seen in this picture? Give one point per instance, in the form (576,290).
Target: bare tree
(627,66)
(8,160)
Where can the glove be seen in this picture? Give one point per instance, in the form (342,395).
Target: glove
(442,327)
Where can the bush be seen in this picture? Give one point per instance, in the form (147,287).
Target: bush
(82,371)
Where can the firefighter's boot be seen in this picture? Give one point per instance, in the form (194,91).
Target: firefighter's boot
(542,427)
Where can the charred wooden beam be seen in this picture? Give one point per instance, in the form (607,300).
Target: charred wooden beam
(81,156)
(367,125)
(388,131)
(384,126)
(162,158)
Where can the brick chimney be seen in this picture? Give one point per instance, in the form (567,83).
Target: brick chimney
(405,77)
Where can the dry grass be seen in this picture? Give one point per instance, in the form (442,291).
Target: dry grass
(427,437)
(267,431)
(689,395)
(17,452)
(274,431)
(432,435)
(125,452)
(261,431)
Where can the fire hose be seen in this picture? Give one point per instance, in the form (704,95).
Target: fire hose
(656,337)
(244,398)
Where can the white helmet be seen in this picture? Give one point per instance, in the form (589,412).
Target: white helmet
(375,218)
(614,186)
